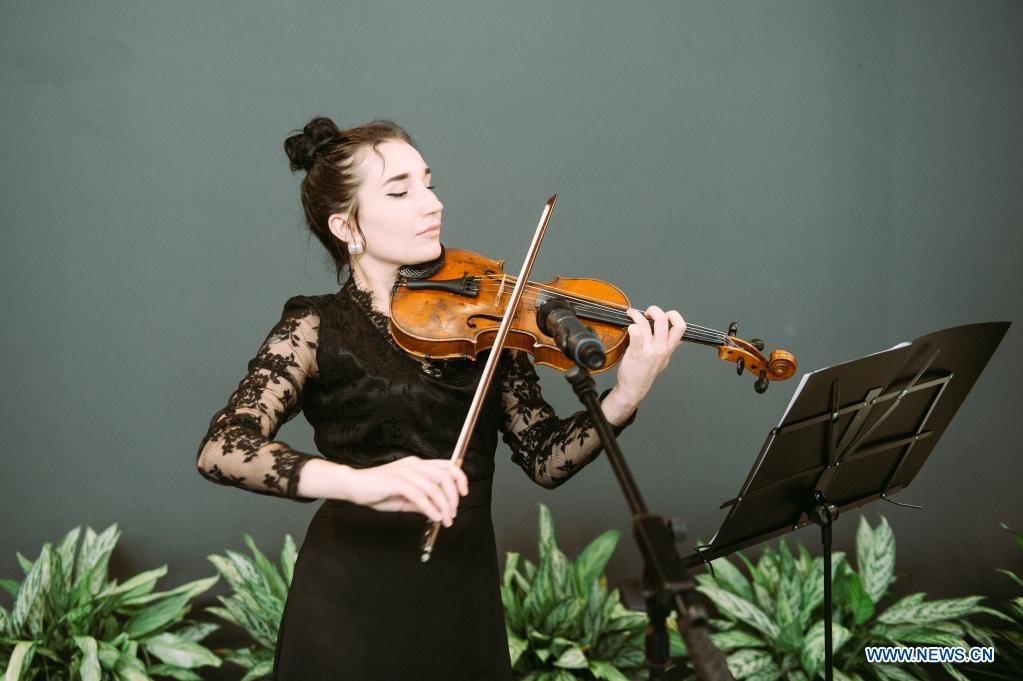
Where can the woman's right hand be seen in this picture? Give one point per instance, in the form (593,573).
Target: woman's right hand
(427,486)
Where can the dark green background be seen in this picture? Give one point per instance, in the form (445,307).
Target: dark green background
(837,176)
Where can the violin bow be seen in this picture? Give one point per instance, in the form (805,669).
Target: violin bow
(433,528)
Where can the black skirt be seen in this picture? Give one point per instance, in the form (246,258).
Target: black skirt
(362,607)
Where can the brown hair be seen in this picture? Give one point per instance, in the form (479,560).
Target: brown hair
(328,156)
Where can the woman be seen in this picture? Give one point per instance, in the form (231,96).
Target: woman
(361,604)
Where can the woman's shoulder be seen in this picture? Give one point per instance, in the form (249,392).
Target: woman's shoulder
(306,304)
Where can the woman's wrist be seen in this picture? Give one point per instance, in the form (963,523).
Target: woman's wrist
(617,407)
(322,479)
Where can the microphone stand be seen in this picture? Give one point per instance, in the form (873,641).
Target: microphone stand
(667,580)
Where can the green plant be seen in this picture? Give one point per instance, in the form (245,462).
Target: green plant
(773,626)
(561,621)
(256,602)
(1007,639)
(68,621)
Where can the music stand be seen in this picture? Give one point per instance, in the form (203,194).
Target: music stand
(853,433)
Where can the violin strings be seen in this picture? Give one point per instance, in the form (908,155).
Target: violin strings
(617,313)
(613,314)
(599,313)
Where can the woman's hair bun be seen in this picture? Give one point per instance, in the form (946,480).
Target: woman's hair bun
(305,147)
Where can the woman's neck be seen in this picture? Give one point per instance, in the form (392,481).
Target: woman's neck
(377,278)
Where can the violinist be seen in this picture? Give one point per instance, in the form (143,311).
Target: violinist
(361,605)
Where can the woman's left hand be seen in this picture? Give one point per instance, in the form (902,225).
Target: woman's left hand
(647,355)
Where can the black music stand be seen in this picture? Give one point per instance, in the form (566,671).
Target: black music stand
(853,433)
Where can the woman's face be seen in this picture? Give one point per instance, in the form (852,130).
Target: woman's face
(398,211)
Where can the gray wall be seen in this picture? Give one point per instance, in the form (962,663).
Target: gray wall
(837,176)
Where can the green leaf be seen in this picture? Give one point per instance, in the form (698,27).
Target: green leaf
(590,564)
(812,657)
(192,588)
(173,649)
(573,658)
(27,614)
(173,672)
(1012,575)
(606,670)
(11,586)
(266,568)
(511,566)
(729,577)
(94,556)
(1018,536)
(890,672)
(138,585)
(26,564)
(516,647)
(764,599)
(89,670)
(953,672)
(288,557)
(859,602)
(57,590)
(66,551)
(260,671)
(741,609)
(876,559)
(934,611)
(768,566)
(735,639)
(790,595)
(130,668)
(197,631)
(926,636)
(563,578)
(564,617)
(758,578)
(746,663)
(547,539)
(157,615)
(21,659)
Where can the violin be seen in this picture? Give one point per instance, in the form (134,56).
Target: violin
(455,312)
(463,303)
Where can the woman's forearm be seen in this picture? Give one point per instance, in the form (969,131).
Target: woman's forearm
(322,479)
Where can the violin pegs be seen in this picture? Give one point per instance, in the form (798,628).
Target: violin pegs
(733,329)
(757,343)
(761,385)
(740,366)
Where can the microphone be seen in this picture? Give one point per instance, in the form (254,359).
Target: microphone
(557,319)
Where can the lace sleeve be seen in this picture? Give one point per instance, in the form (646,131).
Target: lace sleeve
(550,450)
(239,448)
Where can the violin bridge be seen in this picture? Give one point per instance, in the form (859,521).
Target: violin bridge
(500,289)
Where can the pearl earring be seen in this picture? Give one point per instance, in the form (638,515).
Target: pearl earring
(355,248)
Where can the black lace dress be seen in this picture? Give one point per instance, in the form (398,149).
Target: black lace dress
(361,605)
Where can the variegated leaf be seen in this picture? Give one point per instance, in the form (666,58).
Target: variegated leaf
(606,671)
(876,558)
(934,611)
(812,658)
(26,616)
(89,669)
(735,639)
(20,660)
(288,557)
(66,551)
(174,650)
(890,672)
(745,663)
(547,538)
(741,609)
(729,577)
